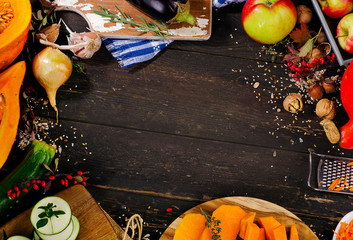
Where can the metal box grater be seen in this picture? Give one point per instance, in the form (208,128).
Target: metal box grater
(325,169)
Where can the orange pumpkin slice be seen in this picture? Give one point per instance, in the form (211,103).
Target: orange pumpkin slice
(14,29)
(10,84)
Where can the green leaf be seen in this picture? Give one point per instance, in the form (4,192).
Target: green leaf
(59,212)
(41,223)
(42,215)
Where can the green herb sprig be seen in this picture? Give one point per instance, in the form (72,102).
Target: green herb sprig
(46,215)
(158,29)
(213,224)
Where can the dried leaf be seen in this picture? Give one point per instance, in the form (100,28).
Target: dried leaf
(290,57)
(78,179)
(47,167)
(307,48)
(300,36)
(56,164)
(47,186)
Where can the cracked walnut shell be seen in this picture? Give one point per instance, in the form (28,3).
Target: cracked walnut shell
(326,109)
(293,103)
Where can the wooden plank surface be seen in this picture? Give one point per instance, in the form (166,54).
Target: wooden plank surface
(188,127)
(200,9)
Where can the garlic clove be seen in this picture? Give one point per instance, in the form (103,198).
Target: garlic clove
(49,33)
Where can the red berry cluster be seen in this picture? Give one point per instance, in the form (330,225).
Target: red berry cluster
(303,68)
(36,184)
(79,178)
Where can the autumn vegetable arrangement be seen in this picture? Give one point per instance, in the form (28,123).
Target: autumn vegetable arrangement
(228,222)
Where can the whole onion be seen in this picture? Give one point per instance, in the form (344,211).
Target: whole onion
(52,68)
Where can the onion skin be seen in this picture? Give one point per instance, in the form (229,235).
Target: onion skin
(52,68)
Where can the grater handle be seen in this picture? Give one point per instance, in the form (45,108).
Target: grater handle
(311,152)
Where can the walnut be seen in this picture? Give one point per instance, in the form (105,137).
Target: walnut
(326,109)
(332,132)
(293,103)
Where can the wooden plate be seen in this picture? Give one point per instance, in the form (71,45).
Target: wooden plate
(95,223)
(261,207)
(200,9)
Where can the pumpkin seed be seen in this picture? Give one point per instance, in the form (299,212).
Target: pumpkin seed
(6,15)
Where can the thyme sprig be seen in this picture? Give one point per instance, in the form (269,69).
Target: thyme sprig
(213,224)
(158,29)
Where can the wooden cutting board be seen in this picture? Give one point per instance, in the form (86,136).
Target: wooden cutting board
(200,9)
(95,224)
(261,207)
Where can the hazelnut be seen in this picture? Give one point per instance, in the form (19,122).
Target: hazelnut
(293,103)
(329,86)
(315,53)
(316,91)
(304,14)
(326,109)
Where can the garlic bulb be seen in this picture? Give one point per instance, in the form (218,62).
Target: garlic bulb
(92,40)
(87,43)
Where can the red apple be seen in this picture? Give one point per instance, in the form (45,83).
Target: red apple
(345,33)
(268,21)
(336,8)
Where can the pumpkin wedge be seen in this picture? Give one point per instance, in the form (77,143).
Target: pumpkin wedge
(245,221)
(293,232)
(280,233)
(10,84)
(191,227)
(252,232)
(269,224)
(14,27)
(230,217)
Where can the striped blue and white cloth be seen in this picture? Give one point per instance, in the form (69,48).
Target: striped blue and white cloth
(130,52)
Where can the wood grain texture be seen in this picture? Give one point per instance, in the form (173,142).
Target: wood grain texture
(94,224)
(261,207)
(200,9)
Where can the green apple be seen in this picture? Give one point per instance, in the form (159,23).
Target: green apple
(268,21)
